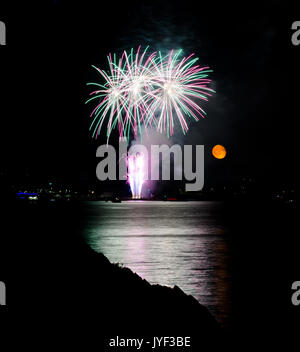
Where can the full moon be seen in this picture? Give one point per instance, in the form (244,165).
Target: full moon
(219,152)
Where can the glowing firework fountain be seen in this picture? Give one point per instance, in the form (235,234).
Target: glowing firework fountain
(136,174)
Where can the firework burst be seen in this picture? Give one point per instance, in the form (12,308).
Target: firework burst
(179,85)
(149,89)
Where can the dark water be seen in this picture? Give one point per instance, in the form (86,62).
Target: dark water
(169,243)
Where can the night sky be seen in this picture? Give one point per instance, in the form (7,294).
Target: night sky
(47,62)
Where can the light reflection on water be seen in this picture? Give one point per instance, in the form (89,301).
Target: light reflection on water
(169,243)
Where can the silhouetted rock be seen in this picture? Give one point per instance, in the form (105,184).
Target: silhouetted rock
(60,288)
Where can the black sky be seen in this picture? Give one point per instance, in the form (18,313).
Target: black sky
(51,47)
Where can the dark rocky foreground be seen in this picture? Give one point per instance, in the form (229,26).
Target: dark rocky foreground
(61,293)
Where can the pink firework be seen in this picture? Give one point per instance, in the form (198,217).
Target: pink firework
(136,175)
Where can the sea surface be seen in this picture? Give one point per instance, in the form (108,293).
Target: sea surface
(168,243)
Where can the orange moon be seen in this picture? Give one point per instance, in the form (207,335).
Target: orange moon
(219,152)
